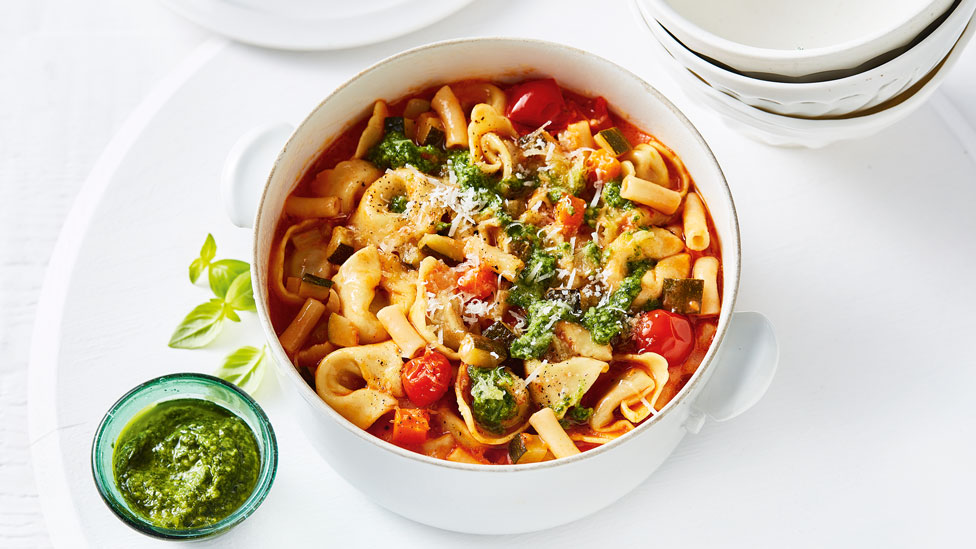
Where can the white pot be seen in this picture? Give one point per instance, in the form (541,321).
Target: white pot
(516,498)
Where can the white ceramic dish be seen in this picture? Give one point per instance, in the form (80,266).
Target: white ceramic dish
(518,498)
(796,38)
(313,24)
(823,99)
(781,130)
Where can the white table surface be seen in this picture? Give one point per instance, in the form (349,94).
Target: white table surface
(72,72)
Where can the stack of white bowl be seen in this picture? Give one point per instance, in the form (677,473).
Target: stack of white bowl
(810,72)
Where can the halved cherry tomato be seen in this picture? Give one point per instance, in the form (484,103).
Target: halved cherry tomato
(478,281)
(569,214)
(426,378)
(410,426)
(531,104)
(602,166)
(665,333)
(594,111)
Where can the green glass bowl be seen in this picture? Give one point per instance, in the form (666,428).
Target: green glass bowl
(171,387)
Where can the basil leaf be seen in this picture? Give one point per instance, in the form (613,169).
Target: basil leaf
(209,249)
(223,273)
(196,269)
(244,368)
(240,294)
(207,253)
(230,313)
(200,327)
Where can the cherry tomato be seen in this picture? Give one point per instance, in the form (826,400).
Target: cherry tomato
(602,166)
(426,378)
(531,104)
(569,214)
(665,333)
(478,281)
(594,111)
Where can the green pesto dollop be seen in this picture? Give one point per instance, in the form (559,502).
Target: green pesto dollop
(186,463)
(542,319)
(492,402)
(533,281)
(396,150)
(606,320)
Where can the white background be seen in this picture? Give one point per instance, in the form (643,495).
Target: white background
(71,72)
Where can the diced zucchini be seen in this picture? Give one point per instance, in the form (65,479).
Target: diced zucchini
(434,137)
(683,295)
(342,332)
(341,246)
(315,287)
(568,296)
(526,448)
(393,124)
(481,352)
(441,247)
(332,305)
(613,141)
(430,130)
(317,280)
(520,249)
(499,333)
(415,107)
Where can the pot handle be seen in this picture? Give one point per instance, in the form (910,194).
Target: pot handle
(246,171)
(746,367)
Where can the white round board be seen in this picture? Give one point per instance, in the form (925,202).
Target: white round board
(856,252)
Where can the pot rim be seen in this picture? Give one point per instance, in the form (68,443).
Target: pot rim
(312,398)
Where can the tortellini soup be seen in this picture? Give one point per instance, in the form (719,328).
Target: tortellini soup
(496,273)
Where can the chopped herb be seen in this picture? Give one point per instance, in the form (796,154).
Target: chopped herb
(592,252)
(590,215)
(611,196)
(576,415)
(398,204)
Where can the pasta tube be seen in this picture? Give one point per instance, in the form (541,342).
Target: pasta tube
(695,227)
(449,110)
(706,269)
(545,423)
(650,194)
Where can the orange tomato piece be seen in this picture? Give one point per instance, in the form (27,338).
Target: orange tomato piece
(410,426)
(602,166)
(569,214)
(478,281)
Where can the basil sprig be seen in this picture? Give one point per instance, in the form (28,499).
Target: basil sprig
(230,282)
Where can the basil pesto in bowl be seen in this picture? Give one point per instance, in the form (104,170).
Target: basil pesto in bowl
(184,456)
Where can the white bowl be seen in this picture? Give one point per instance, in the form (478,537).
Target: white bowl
(779,130)
(824,99)
(515,498)
(796,38)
